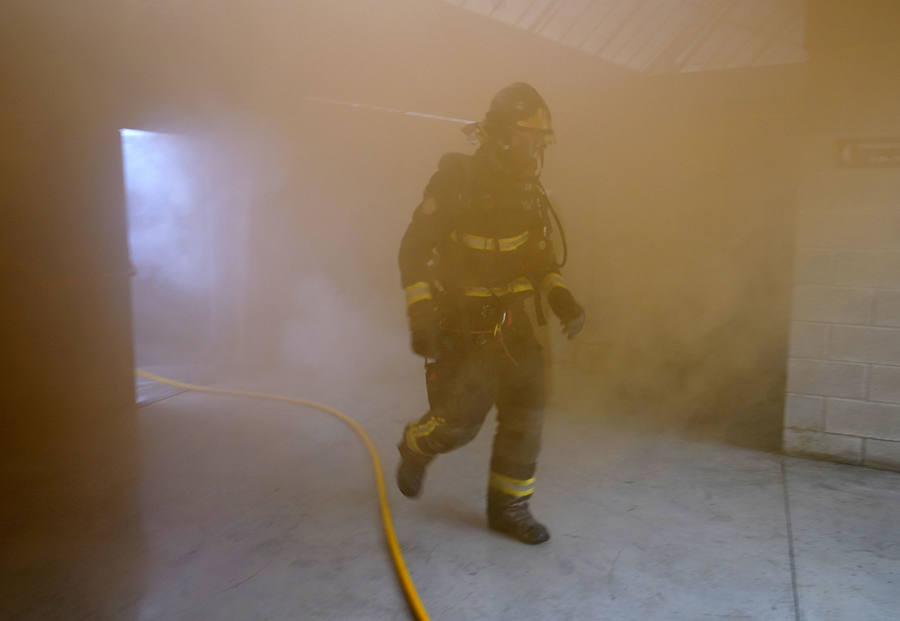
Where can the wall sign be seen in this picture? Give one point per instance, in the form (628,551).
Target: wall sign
(869,153)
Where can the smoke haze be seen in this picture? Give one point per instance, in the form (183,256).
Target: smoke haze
(676,196)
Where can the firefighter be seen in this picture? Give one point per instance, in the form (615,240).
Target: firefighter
(477,248)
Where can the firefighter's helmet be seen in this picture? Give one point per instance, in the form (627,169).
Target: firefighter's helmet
(518,106)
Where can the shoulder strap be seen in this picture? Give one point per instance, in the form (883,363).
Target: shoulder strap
(458,169)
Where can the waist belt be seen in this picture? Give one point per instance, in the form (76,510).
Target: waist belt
(519,285)
(494,333)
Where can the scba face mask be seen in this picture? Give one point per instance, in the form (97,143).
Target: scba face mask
(523,153)
(519,126)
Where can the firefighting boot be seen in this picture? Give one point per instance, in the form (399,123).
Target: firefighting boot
(510,515)
(411,471)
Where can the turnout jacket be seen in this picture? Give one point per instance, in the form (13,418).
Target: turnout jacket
(477,237)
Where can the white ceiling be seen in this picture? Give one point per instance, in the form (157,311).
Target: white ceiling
(662,36)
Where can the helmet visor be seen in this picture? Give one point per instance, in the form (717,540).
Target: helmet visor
(539,122)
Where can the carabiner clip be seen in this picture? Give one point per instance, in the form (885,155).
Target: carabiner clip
(499,325)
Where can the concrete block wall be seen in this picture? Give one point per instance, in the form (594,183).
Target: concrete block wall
(843,399)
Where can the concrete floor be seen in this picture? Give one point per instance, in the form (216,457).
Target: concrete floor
(257,510)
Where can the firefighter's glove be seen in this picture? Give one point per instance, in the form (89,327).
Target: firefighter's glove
(570,312)
(424,329)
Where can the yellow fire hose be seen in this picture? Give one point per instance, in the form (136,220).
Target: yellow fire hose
(409,588)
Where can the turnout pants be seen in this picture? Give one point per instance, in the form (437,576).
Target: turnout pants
(479,371)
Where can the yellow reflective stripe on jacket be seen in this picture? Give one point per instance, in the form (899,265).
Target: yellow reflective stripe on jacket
(553,279)
(417,292)
(517,286)
(477,242)
(478,292)
(511,243)
(511,486)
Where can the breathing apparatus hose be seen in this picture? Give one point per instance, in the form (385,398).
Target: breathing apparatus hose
(409,588)
(562,233)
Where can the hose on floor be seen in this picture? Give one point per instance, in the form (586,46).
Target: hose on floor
(409,588)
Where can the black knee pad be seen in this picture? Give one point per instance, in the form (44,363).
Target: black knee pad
(449,438)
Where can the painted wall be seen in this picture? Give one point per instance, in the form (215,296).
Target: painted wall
(844,373)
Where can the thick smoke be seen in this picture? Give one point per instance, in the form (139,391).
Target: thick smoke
(677,202)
